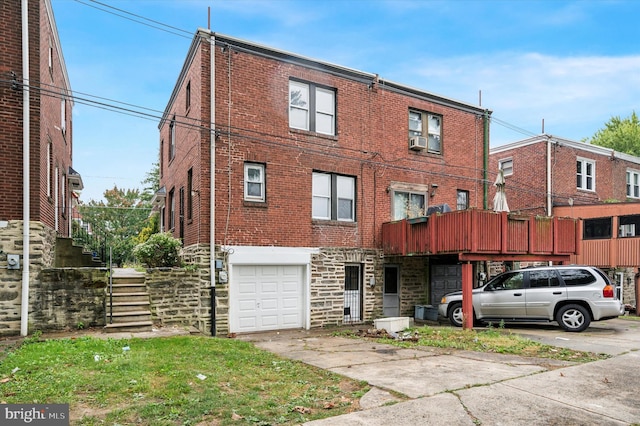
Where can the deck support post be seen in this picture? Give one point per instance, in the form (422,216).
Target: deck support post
(467,290)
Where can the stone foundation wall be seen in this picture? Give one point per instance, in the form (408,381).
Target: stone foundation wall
(68,298)
(42,241)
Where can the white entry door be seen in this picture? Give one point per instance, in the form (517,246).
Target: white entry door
(266,297)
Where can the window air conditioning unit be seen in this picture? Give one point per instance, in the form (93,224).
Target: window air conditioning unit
(418,143)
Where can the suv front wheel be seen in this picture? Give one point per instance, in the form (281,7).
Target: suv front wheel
(573,318)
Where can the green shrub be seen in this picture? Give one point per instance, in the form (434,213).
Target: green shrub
(159,250)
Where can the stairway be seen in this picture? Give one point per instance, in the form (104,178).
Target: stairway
(130,301)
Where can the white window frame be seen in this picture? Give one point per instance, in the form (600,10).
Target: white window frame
(408,212)
(633,183)
(330,191)
(172,138)
(63,114)
(465,193)
(506,165)
(312,111)
(584,176)
(49,164)
(249,180)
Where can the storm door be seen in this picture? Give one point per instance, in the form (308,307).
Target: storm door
(391,292)
(352,293)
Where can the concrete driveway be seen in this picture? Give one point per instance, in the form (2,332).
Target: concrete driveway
(447,387)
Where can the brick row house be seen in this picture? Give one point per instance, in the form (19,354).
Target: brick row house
(35,112)
(303,161)
(547,175)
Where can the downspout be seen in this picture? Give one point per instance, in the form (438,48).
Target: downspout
(212,179)
(549,189)
(24,308)
(485,155)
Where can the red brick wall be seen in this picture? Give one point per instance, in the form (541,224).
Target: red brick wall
(371,145)
(45,113)
(526,188)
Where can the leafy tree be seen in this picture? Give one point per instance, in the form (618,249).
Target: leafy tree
(151,183)
(622,135)
(117,222)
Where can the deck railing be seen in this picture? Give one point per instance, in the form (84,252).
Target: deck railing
(481,232)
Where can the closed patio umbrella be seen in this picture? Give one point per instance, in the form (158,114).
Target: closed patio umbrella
(500,199)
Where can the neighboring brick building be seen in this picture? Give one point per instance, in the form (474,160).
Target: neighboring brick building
(546,171)
(50,174)
(309,159)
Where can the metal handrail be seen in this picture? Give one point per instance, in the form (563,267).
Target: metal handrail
(110,288)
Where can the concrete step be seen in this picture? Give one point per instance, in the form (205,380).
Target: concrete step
(135,279)
(128,287)
(129,316)
(129,327)
(129,306)
(129,297)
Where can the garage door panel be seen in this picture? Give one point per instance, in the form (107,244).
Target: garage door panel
(266,297)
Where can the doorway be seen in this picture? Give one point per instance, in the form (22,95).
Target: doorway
(352,293)
(391,291)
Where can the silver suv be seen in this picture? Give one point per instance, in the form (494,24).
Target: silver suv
(571,295)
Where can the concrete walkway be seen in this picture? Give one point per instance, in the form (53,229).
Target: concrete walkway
(447,387)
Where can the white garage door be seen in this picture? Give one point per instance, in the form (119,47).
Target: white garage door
(266,297)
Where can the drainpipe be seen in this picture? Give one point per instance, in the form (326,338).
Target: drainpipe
(212,179)
(549,189)
(485,154)
(24,308)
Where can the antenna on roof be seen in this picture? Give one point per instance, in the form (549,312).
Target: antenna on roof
(543,126)
(479,97)
(209,18)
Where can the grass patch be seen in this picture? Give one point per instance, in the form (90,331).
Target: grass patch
(167,381)
(489,340)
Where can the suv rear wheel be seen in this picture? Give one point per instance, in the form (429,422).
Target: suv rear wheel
(573,318)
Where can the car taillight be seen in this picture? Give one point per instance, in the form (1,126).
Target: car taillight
(607,291)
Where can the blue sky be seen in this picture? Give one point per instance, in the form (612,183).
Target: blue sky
(573,64)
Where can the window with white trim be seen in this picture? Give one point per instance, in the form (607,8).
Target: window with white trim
(425,124)
(408,204)
(63,114)
(172,138)
(334,197)
(312,108)
(172,209)
(506,166)
(633,184)
(586,174)
(254,187)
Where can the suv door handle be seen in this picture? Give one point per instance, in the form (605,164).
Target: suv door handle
(557,292)
(517,294)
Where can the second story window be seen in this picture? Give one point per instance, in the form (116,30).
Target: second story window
(187,96)
(506,166)
(254,189)
(428,126)
(586,174)
(463,200)
(334,197)
(312,108)
(633,184)
(172,138)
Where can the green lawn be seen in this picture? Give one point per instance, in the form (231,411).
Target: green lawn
(184,380)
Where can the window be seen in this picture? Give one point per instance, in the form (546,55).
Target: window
(506,166)
(333,197)
(63,114)
(312,108)
(254,182)
(187,96)
(172,209)
(463,200)
(49,165)
(633,184)
(172,138)
(50,57)
(161,165)
(507,281)
(190,194)
(544,278)
(408,204)
(629,226)
(577,277)
(598,228)
(586,173)
(63,190)
(429,125)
